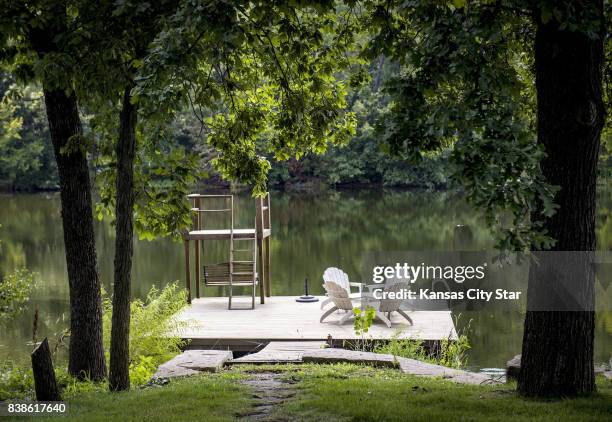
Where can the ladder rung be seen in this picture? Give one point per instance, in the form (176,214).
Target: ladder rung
(219,210)
(243,238)
(242,262)
(242,250)
(242,273)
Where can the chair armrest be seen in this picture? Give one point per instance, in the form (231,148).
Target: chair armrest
(358,285)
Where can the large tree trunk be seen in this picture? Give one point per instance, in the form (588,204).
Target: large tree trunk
(557,356)
(120,335)
(86,355)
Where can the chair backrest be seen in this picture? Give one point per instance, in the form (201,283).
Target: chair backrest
(390,305)
(338,295)
(337,276)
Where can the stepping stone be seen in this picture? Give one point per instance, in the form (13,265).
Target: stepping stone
(415,367)
(281,352)
(408,366)
(353,356)
(192,362)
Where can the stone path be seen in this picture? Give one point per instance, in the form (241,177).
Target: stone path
(192,362)
(269,390)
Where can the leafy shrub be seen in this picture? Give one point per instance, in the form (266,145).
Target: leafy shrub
(16,382)
(450,353)
(453,353)
(361,325)
(151,323)
(405,348)
(15,289)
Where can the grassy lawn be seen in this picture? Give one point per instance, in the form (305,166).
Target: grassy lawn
(352,393)
(334,392)
(210,397)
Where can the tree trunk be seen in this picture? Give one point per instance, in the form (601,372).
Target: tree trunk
(86,355)
(120,335)
(45,383)
(557,356)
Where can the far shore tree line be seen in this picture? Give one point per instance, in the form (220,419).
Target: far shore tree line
(503,98)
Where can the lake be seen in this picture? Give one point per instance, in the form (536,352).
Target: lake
(310,233)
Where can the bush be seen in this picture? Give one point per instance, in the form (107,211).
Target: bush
(450,353)
(150,324)
(15,289)
(16,382)
(412,349)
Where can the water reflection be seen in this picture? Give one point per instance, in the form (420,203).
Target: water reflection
(310,233)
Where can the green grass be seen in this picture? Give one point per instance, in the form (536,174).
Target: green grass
(341,392)
(209,397)
(353,393)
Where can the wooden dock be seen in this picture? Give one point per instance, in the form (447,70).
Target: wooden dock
(212,325)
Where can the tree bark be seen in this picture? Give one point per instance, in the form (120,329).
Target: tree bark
(86,355)
(120,335)
(45,383)
(557,355)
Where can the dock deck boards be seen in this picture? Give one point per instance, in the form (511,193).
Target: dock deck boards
(283,319)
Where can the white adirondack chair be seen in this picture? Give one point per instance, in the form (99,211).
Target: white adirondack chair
(340,278)
(385,307)
(341,300)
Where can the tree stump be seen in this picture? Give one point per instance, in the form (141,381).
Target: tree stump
(44,375)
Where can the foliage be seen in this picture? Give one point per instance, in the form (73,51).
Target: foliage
(15,289)
(151,324)
(15,381)
(362,323)
(447,352)
(363,160)
(26,157)
(363,320)
(471,92)
(405,348)
(453,353)
(257,74)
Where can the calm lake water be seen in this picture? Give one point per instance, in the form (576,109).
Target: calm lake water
(310,233)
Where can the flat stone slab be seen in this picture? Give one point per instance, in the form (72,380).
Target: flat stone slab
(333,355)
(415,367)
(192,362)
(408,366)
(281,352)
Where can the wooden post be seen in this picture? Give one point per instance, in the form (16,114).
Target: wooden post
(187,269)
(197,249)
(267,265)
(44,375)
(268,225)
(260,256)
